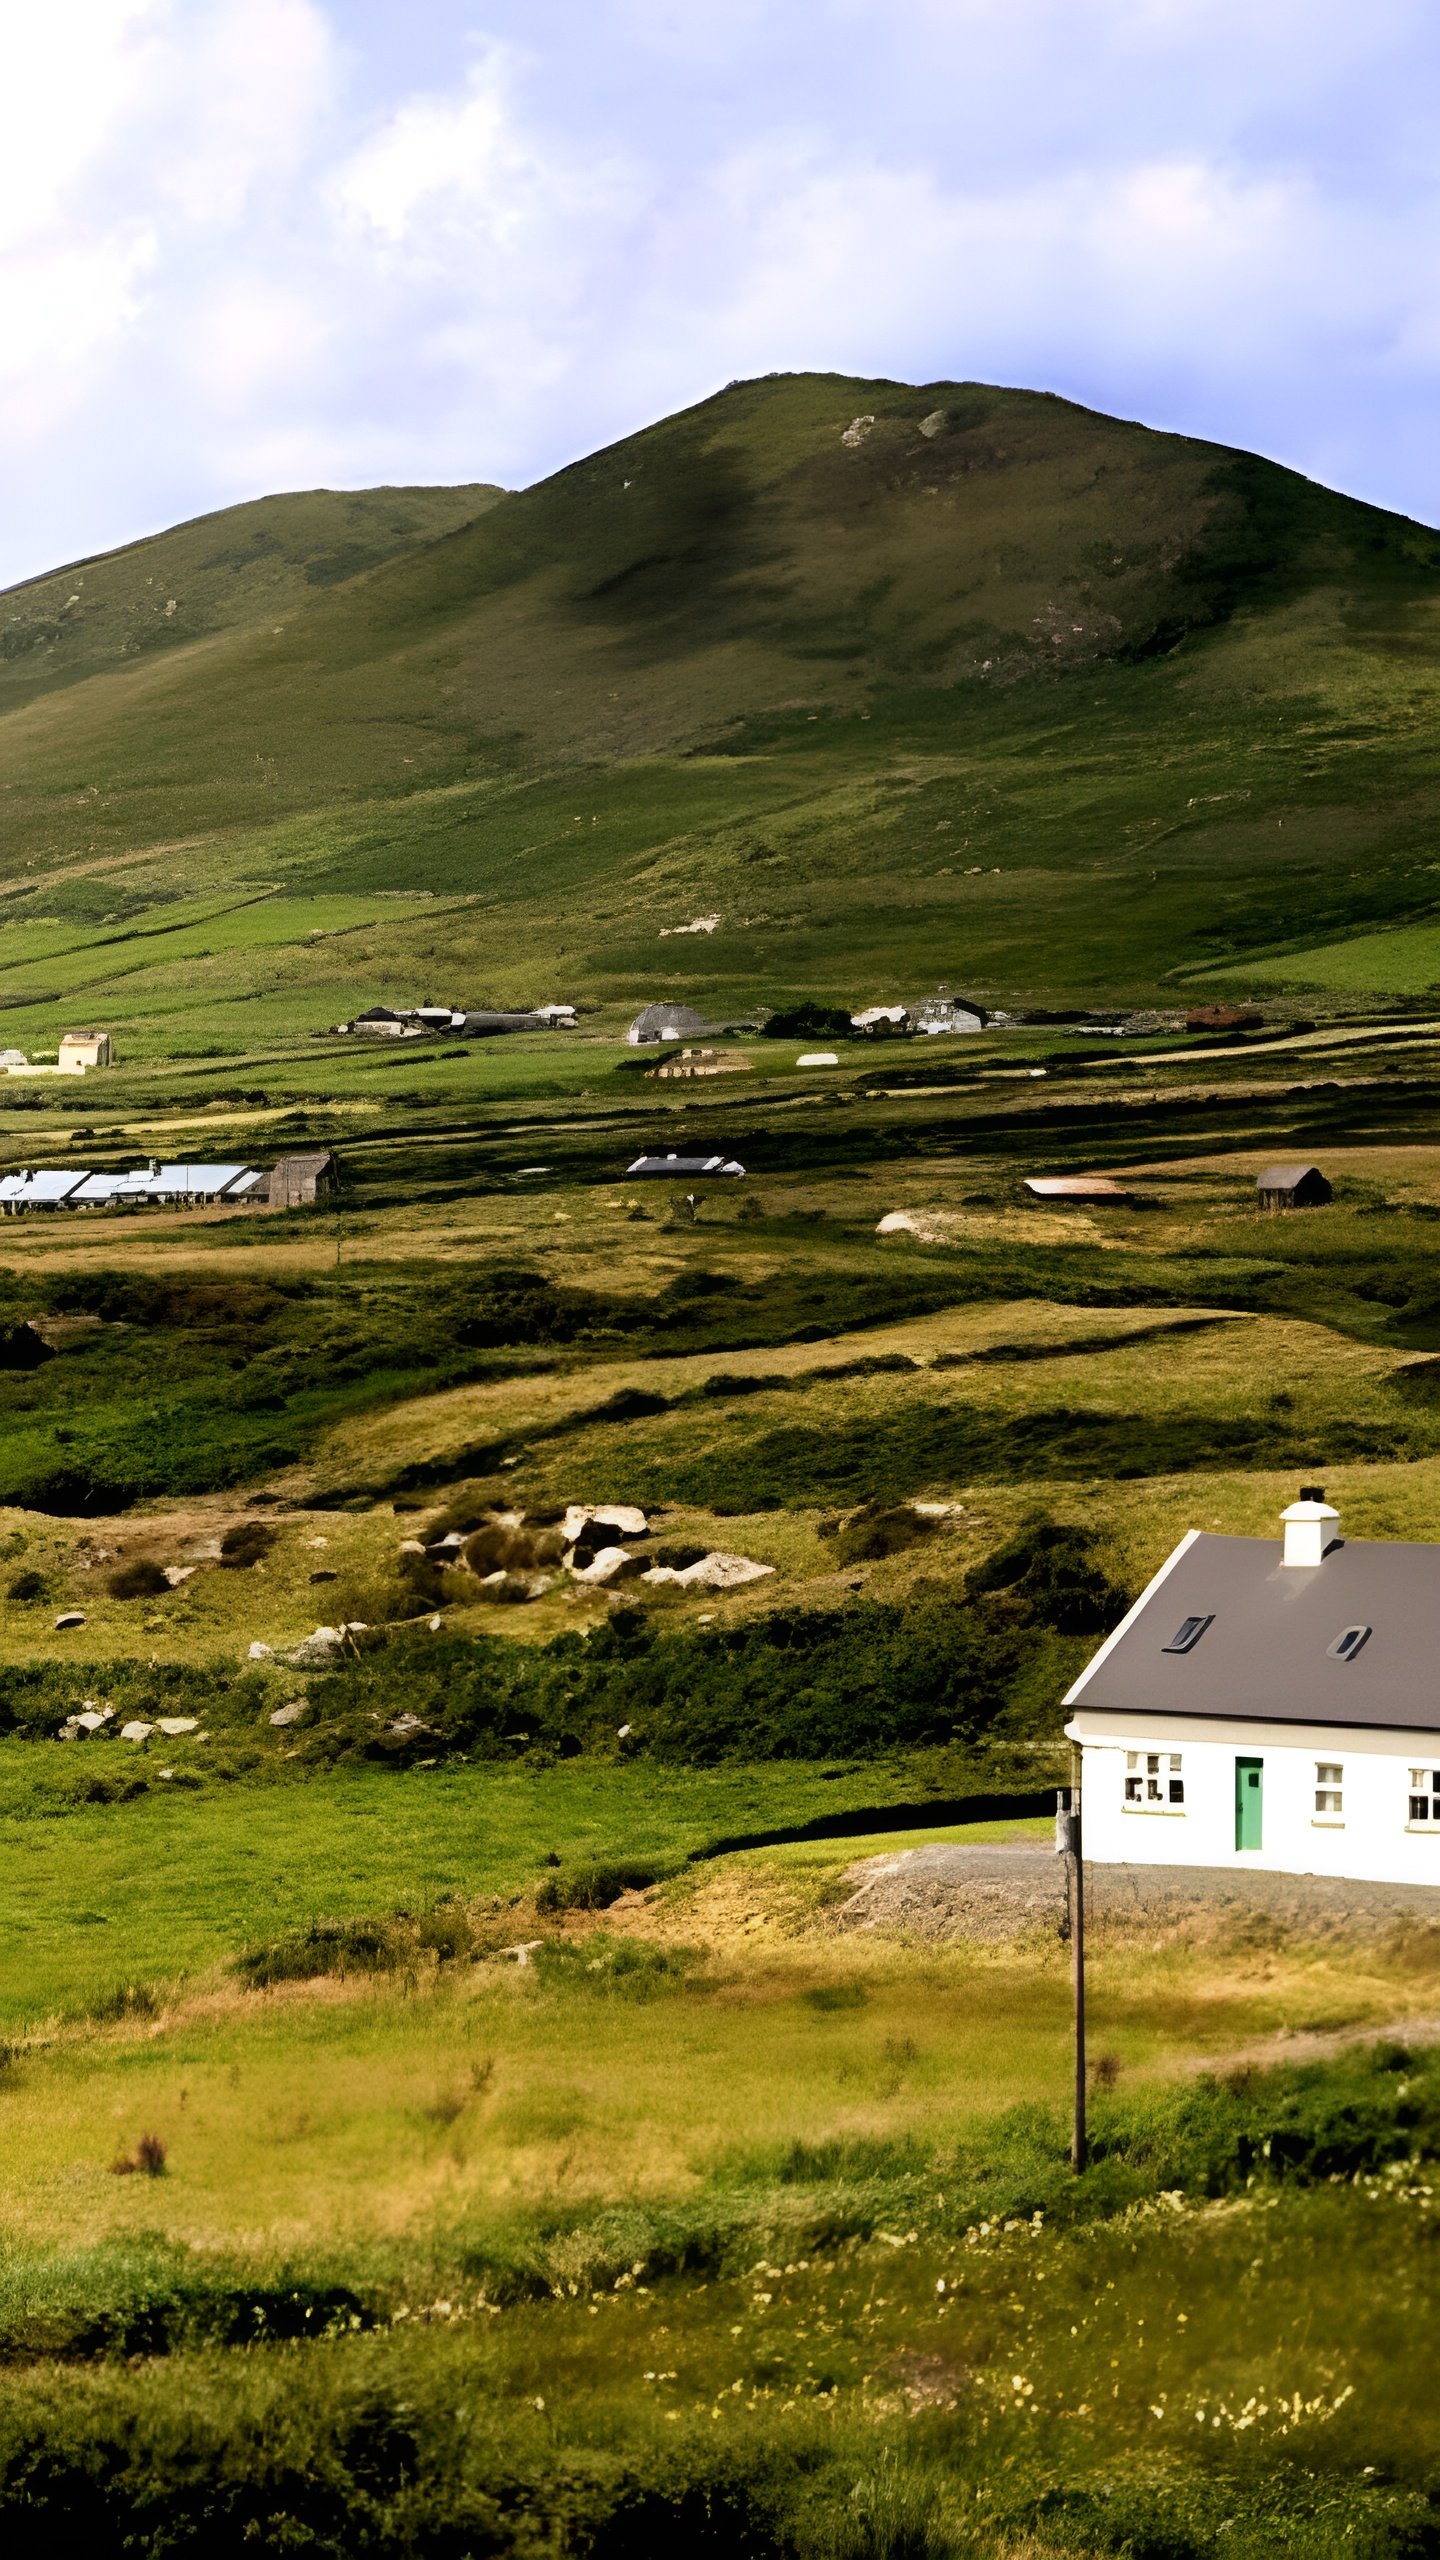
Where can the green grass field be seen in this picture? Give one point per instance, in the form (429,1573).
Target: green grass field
(330,2226)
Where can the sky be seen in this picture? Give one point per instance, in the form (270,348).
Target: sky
(249,245)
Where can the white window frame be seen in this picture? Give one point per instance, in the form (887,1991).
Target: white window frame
(1154,1775)
(1329,1813)
(1430,1790)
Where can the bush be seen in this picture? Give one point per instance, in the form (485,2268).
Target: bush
(876,1531)
(246,1543)
(141,1580)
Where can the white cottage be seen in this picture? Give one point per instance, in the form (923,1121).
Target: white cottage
(1273,1706)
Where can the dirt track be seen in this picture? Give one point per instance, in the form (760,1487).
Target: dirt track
(1016,1889)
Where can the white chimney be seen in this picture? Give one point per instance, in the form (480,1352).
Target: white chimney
(1307,1526)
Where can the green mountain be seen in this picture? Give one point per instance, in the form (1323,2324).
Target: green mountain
(224,572)
(901,684)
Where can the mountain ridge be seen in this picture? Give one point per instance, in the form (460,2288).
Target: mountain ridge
(762,657)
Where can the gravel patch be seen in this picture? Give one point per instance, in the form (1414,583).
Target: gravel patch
(1017,1889)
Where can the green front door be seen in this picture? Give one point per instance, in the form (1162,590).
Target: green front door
(1249,1798)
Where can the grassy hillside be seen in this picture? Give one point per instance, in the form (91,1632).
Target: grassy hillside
(992,690)
(222,572)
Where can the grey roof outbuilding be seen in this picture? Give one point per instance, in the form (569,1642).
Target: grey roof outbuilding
(1292,1186)
(1228,1630)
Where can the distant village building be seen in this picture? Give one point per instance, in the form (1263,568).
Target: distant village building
(882,1022)
(941,1014)
(1095,1187)
(665,1022)
(1292,1186)
(298,1182)
(670,1163)
(295,1182)
(702,1062)
(87,1049)
(448,1021)
(378,1022)
(1270,1706)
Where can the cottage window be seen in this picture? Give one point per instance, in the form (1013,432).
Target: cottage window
(1329,1790)
(1425,1798)
(1153,1782)
(1188,1634)
(1348,1644)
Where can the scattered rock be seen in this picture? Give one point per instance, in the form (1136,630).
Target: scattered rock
(939,1510)
(317,1542)
(612,1564)
(325,1574)
(90,1719)
(175,1574)
(261,1652)
(315,1652)
(412,1546)
(290,1714)
(715,1572)
(135,1731)
(171,1725)
(620,1516)
(402,1725)
(70,1618)
(504,1585)
(522,1953)
(857,431)
(932,425)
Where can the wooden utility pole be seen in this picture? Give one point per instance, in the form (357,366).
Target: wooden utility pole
(1069,1842)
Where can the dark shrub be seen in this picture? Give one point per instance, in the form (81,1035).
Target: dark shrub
(876,1531)
(246,1543)
(27,1585)
(140,1580)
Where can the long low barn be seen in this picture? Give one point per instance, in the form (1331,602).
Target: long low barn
(677,1167)
(294,1182)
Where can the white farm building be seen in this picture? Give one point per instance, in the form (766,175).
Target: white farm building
(1272,1705)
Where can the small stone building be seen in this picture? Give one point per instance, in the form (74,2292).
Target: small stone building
(1292,1186)
(298,1182)
(87,1049)
(666,1022)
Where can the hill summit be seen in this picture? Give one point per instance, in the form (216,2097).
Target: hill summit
(762,631)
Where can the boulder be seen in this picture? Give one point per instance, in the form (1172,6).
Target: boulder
(290,1714)
(70,1618)
(315,1652)
(135,1731)
(622,1517)
(613,1564)
(175,1574)
(715,1572)
(261,1652)
(170,1725)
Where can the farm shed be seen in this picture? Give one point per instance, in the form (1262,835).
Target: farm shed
(665,1022)
(1292,1186)
(682,1168)
(1095,1187)
(1271,1705)
(297,1182)
(946,1014)
(87,1049)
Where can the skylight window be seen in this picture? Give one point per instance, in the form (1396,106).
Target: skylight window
(1348,1643)
(1188,1634)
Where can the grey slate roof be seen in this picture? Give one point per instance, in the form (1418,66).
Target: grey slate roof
(1265,1655)
(1284,1177)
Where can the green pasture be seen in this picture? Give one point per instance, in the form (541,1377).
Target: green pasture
(98,1895)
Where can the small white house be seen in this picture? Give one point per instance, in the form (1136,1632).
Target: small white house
(1271,1705)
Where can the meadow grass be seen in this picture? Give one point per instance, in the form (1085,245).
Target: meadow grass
(99,1895)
